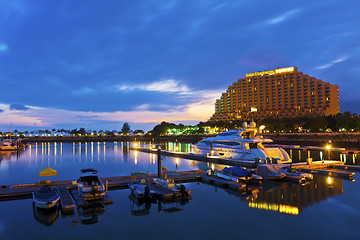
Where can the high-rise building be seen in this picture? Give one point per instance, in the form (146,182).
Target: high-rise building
(279,93)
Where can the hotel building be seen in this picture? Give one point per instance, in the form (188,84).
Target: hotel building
(279,93)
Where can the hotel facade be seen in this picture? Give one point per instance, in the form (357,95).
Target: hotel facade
(279,93)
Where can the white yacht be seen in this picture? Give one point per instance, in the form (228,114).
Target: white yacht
(8,145)
(242,145)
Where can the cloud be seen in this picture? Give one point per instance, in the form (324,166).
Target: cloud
(341,59)
(283,17)
(3,47)
(165,86)
(219,6)
(19,107)
(200,109)
(82,91)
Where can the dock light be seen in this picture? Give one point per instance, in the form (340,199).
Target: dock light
(176,149)
(135,144)
(329,181)
(328,147)
(262,127)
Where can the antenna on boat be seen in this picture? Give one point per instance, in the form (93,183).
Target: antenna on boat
(252,124)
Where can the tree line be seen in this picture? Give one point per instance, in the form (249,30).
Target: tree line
(344,122)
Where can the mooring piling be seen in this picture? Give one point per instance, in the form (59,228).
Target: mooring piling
(159,161)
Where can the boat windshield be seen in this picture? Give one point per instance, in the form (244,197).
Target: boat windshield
(255,145)
(88,170)
(228,133)
(227,143)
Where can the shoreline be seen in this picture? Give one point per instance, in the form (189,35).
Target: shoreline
(348,141)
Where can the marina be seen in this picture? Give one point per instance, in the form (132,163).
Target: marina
(288,196)
(173,119)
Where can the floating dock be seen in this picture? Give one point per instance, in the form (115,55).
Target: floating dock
(65,188)
(238,186)
(66,201)
(330,173)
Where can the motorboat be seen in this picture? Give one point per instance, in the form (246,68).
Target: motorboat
(268,171)
(242,145)
(7,145)
(292,172)
(169,184)
(241,173)
(140,188)
(89,184)
(46,197)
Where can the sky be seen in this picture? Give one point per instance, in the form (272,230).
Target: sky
(98,64)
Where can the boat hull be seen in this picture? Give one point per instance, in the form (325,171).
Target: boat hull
(88,196)
(45,203)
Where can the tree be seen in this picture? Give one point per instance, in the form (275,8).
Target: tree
(125,128)
(138,131)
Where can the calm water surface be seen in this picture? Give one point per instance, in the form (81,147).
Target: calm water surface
(323,209)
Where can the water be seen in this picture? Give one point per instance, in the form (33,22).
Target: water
(327,208)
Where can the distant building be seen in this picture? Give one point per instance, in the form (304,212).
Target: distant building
(280,93)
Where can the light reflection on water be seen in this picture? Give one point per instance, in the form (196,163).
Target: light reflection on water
(314,206)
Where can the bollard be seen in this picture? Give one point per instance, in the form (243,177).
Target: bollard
(211,149)
(107,186)
(159,162)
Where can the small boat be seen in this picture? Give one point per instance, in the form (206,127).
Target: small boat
(46,198)
(140,188)
(169,184)
(90,185)
(241,173)
(296,173)
(268,171)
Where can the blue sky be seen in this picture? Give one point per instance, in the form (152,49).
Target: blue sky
(98,64)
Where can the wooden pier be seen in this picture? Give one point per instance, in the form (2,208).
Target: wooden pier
(66,201)
(238,186)
(330,173)
(347,167)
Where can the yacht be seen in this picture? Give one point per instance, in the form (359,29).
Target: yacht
(8,145)
(242,145)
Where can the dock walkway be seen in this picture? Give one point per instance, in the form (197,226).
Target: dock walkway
(66,201)
(23,191)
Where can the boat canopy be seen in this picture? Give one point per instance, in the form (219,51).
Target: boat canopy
(47,172)
(89,170)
